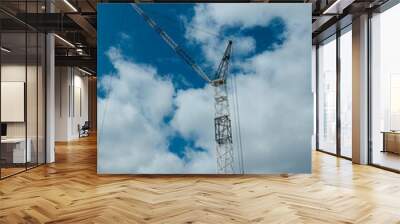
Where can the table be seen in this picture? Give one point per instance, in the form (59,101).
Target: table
(391,141)
(13,150)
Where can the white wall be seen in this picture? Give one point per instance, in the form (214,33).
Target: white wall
(17,73)
(62,81)
(70,83)
(9,73)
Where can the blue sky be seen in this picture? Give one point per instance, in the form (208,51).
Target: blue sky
(124,28)
(181,130)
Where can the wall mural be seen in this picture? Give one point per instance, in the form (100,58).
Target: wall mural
(204,88)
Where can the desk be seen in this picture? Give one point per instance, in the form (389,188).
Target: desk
(391,141)
(15,148)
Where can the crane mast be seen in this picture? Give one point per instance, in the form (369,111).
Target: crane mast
(222,119)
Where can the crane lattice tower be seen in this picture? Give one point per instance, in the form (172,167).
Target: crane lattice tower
(222,120)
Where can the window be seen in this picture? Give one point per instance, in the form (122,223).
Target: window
(385,89)
(346,92)
(327,95)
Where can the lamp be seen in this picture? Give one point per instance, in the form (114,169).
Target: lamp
(64,40)
(70,5)
(84,71)
(5,50)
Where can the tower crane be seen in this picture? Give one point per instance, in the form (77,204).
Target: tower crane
(222,119)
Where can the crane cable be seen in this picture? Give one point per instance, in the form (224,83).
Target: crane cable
(238,126)
(235,102)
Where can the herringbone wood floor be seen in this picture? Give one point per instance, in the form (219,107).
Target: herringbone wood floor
(70,191)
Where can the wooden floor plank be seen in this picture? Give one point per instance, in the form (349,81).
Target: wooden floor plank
(70,191)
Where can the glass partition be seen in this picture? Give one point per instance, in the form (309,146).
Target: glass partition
(22,101)
(14,153)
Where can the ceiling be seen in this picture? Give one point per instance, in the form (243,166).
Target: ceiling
(75,22)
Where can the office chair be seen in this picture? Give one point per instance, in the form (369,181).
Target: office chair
(84,130)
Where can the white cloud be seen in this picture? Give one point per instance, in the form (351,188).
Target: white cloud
(273,88)
(244,45)
(124,36)
(194,116)
(215,18)
(133,137)
(131,130)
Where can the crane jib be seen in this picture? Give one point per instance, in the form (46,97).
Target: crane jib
(172,43)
